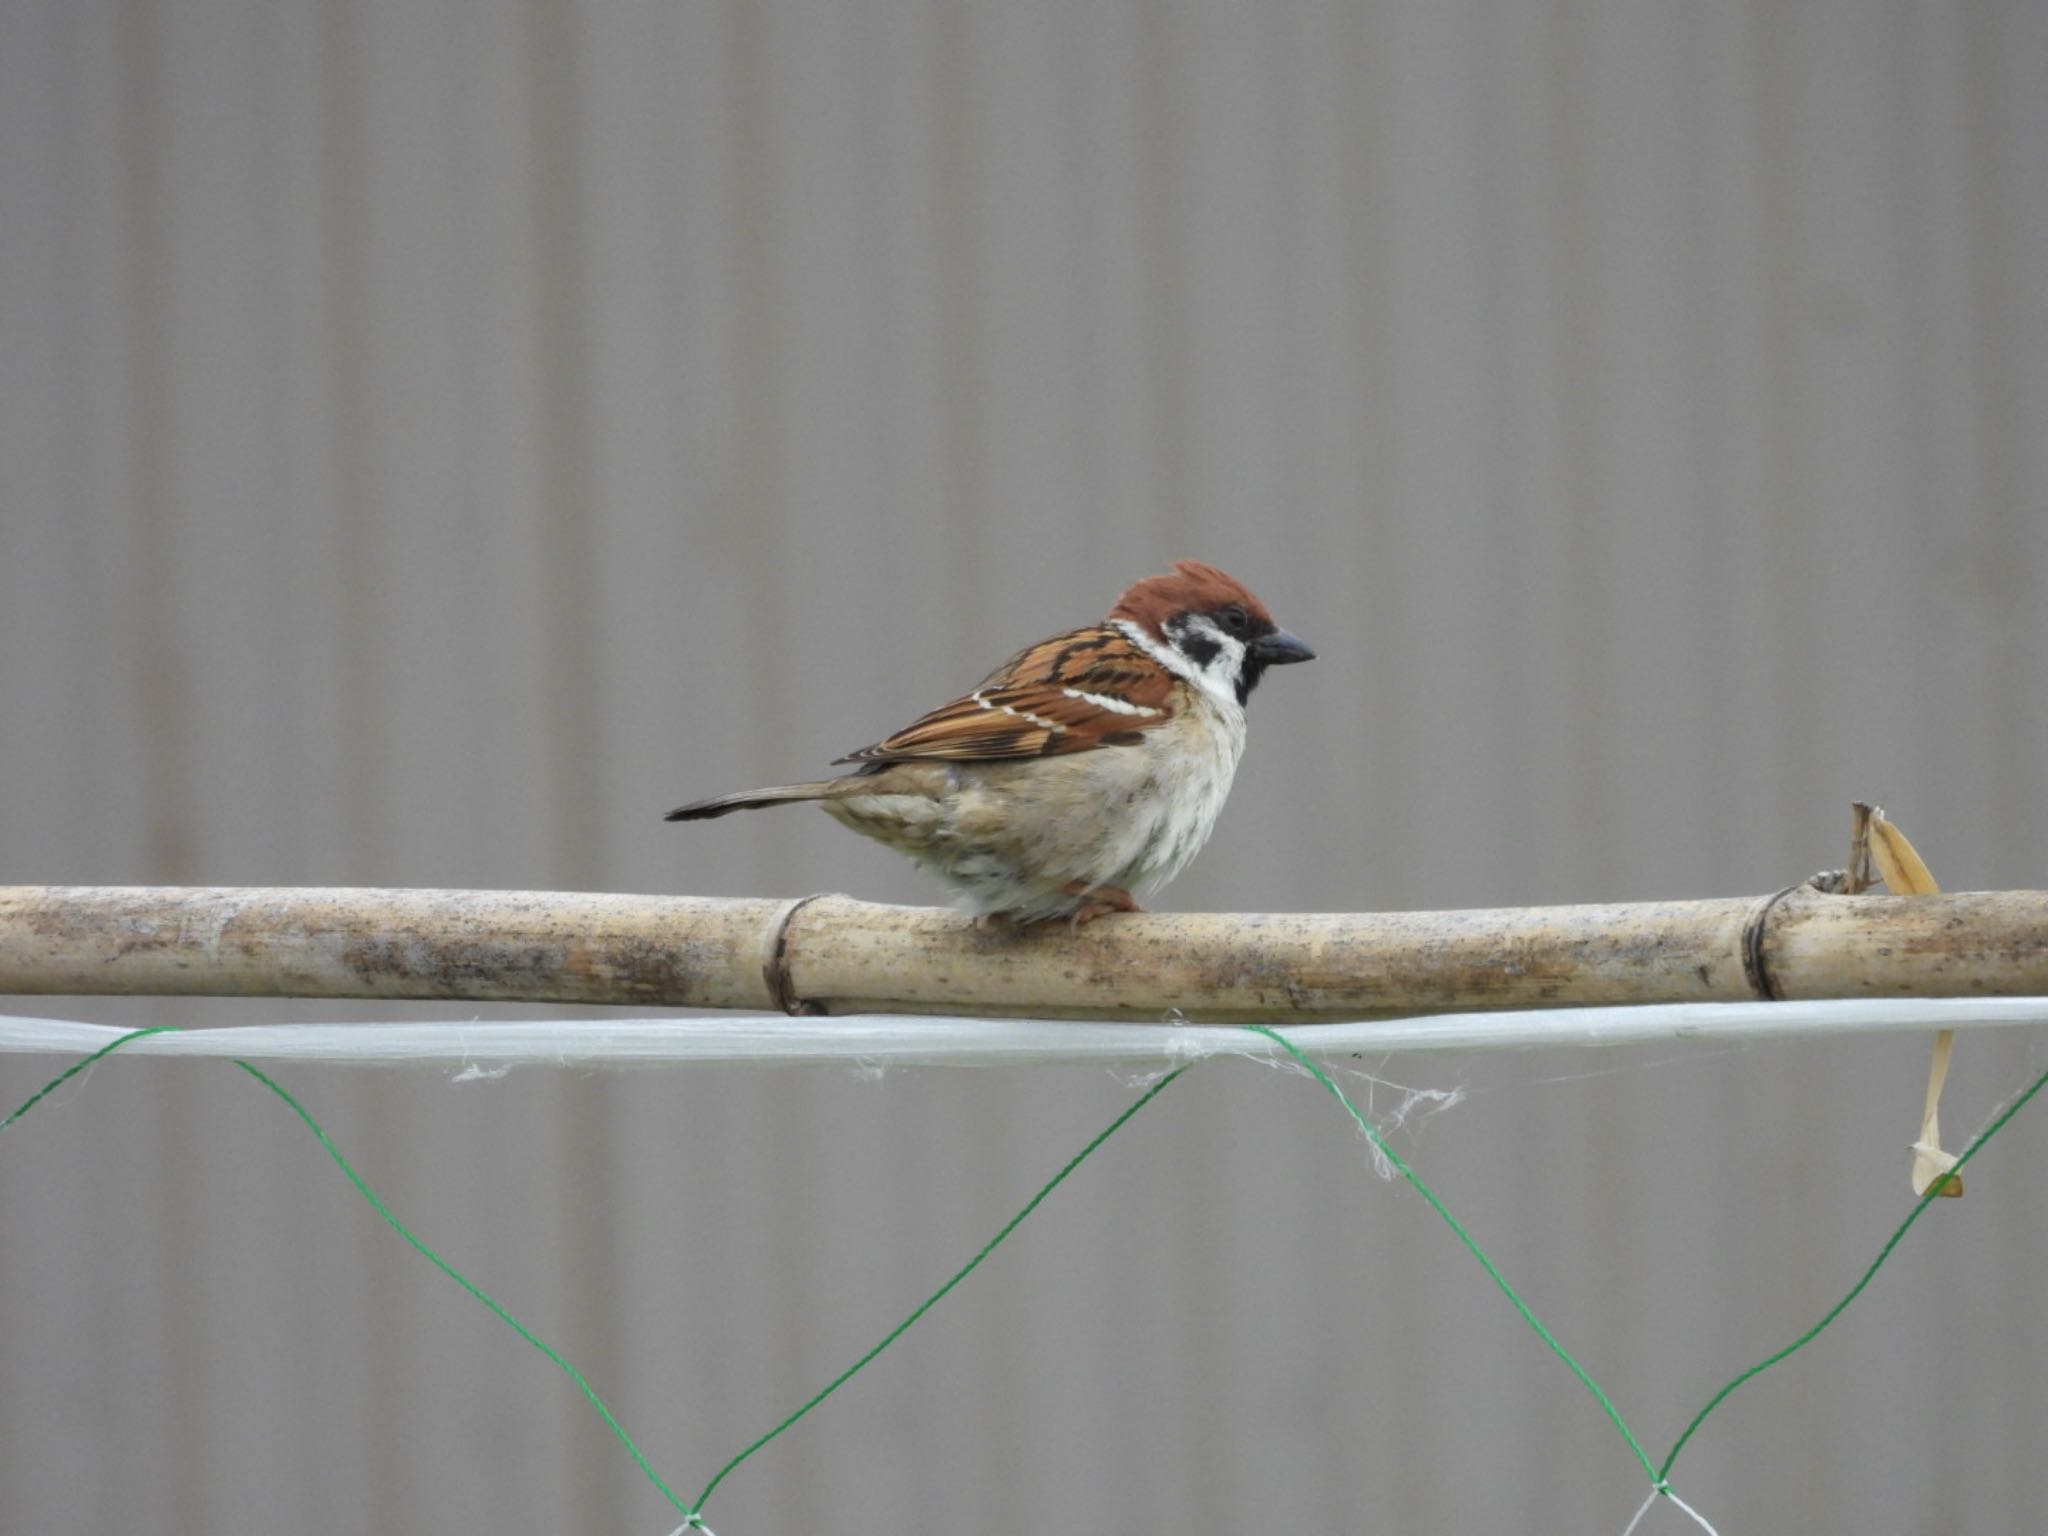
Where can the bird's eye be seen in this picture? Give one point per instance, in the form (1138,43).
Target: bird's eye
(1235,619)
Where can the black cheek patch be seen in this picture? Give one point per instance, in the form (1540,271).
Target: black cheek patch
(1200,649)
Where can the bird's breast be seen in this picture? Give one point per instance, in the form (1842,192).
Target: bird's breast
(1192,764)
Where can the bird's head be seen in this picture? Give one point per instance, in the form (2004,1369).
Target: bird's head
(1208,627)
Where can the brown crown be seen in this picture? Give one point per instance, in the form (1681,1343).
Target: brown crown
(1190,587)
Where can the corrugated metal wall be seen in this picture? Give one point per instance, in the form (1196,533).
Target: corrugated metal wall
(436,438)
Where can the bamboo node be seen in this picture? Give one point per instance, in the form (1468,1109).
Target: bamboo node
(781,988)
(1755,928)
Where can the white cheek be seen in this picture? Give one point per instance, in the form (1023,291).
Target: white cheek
(1218,676)
(1221,675)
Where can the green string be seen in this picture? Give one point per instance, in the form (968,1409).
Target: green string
(692,1515)
(1380,1145)
(1933,1191)
(395,1224)
(377,1205)
(931,1301)
(1659,1476)
(74,1069)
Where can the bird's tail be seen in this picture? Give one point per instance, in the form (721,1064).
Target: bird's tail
(747,800)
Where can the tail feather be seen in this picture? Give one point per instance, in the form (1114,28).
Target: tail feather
(747,800)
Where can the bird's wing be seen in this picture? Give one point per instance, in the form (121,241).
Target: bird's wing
(1075,692)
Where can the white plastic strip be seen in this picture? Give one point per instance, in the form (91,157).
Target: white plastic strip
(901,1040)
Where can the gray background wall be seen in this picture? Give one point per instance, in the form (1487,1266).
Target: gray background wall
(436,438)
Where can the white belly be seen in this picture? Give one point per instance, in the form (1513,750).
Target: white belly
(1032,838)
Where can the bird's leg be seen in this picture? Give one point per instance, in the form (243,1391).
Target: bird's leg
(1097,901)
(1100,901)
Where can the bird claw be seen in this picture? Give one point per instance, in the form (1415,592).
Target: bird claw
(1102,902)
(1097,901)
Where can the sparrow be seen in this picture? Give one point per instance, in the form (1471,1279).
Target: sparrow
(1084,768)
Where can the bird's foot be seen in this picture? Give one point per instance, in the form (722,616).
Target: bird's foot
(1096,901)
(1100,901)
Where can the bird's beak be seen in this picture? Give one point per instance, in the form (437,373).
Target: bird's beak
(1279,648)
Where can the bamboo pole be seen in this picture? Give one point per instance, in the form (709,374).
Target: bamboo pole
(831,954)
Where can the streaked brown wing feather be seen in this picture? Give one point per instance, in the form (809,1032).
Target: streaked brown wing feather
(1043,702)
